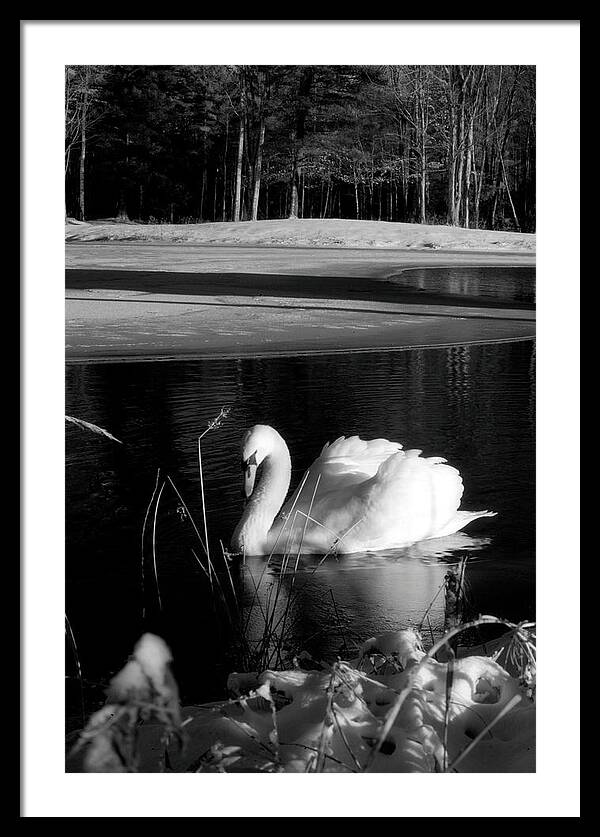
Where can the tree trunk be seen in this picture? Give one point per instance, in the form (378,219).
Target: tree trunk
(237,207)
(461,163)
(452,178)
(510,200)
(214,212)
(501,140)
(202,191)
(257,92)
(372,183)
(468,167)
(456,113)
(257,170)
(405,171)
(122,214)
(224,210)
(84,110)
(478,187)
(327,193)
(422,129)
(267,194)
(293,213)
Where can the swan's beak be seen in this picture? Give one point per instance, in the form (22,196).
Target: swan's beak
(249,477)
(249,468)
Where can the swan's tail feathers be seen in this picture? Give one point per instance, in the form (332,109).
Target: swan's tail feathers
(468,516)
(462,518)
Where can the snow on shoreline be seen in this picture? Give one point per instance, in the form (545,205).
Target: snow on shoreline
(394,710)
(311,232)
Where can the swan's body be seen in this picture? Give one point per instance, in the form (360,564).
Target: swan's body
(356,496)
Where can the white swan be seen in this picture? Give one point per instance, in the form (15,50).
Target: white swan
(356,496)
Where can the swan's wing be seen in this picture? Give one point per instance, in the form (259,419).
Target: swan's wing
(342,464)
(348,461)
(410,498)
(413,497)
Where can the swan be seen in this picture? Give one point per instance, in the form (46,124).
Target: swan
(357,496)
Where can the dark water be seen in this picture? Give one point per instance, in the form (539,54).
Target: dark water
(473,405)
(488,283)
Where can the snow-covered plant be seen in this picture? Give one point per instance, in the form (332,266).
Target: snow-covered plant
(143,690)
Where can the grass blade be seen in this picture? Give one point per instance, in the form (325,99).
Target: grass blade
(87,425)
(73,644)
(143,534)
(154,544)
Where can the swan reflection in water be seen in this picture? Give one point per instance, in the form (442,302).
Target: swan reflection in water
(384,590)
(432,550)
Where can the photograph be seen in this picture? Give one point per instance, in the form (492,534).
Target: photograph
(300,515)
(300,393)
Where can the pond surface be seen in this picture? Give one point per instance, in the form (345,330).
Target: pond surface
(484,283)
(473,405)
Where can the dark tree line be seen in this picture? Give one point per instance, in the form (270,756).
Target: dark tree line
(435,144)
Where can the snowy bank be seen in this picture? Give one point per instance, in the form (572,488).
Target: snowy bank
(309,232)
(396,709)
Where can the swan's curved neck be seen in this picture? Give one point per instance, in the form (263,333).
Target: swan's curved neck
(251,533)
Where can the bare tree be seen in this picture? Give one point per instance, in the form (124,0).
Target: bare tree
(463,92)
(262,92)
(82,112)
(84,129)
(237,207)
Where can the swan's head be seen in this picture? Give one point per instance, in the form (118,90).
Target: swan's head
(258,443)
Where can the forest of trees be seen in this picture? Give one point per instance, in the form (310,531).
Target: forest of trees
(448,144)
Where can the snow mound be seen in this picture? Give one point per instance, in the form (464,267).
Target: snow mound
(465,715)
(308,232)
